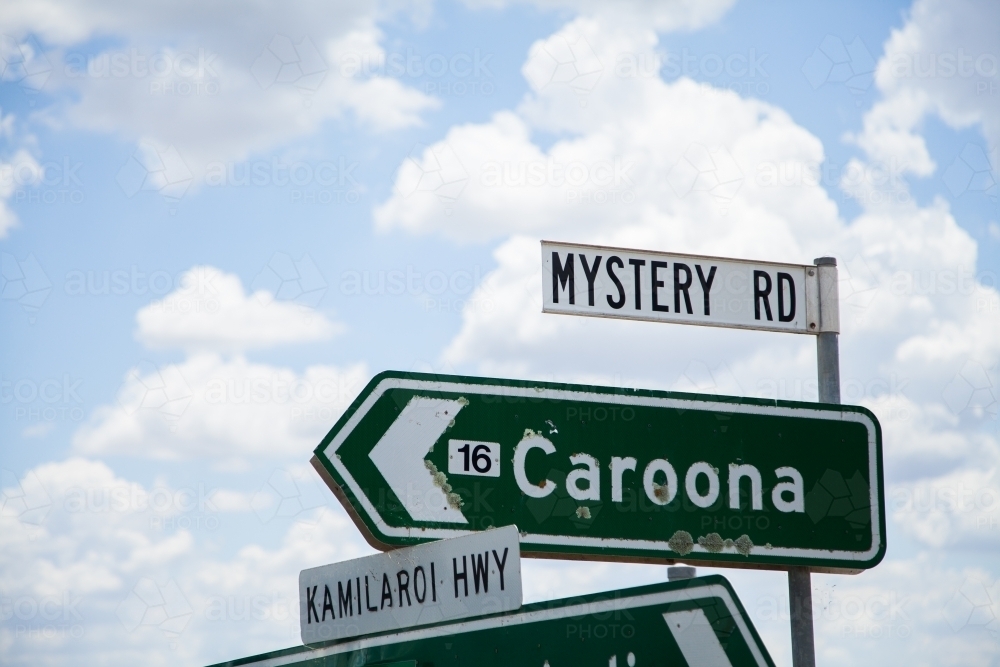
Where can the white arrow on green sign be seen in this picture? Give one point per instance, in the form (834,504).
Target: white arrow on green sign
(610,473)
(698,623)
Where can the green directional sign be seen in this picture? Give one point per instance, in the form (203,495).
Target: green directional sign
(697,622)
(609,473)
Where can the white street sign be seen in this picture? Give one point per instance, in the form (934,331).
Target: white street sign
(687,289)
(440,581)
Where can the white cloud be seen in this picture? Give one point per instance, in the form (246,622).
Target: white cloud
(944,60)
(961,509)
(183,78)
(888,135)
(123,572)
(182,84)
(661,15)
(211,311)
(908,611)
(227,411)
(619,177)
(20,172)
(38,430)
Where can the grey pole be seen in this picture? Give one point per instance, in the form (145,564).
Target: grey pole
(828,371)
(827,345)
(800,608)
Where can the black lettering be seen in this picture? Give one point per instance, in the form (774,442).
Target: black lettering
(655,266)
(611,274)
(784,278)
(682,287)
(500,564)
(481,568)
(561,276)
(706,284)
(328,603)
(591,273)
(404,587)
(311,605)
(637,263)
(386,592)
(419,570)
(761,293)
(464,576)
(358,593)
(345,601)
(368,602)
(434,590)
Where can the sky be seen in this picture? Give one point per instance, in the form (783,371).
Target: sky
(196,199)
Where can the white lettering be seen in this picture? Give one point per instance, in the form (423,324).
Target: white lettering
(690,484)
(618,467)
(736,473)
(529,442)
(797,503)
(591,475)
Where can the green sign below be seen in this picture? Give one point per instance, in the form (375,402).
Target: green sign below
(611,474)
(697,622)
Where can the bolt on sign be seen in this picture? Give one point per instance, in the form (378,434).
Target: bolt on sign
(446,580)
(694,623)
(686,289)
(608,473)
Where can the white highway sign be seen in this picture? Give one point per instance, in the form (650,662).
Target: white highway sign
(439,581)
(687,289)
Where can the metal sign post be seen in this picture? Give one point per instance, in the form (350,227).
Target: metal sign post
(828,372)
